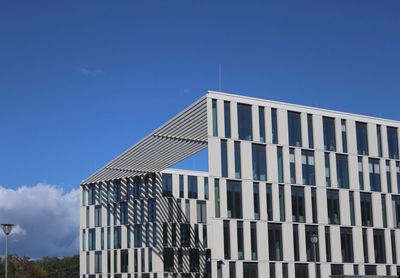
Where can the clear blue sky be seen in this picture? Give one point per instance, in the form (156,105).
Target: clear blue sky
(81,81)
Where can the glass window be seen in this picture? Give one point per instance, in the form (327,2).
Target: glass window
(269,201)
(234,199)
(379,139)
(240,240)
(294,126)
(232,270)
(393,142)
(124,261)
(298,207)
(166,184)
(314,205)
(370,270)
(253,240)
(292,166)
(224,158)
(256,201)
(168,254)
(227,241)
(245,125)
(282,214)
(362,138)
(280,164)
(342,169)
(344,135)
(206,193)
(379,246)
(351,203)
(238,164)
(328,243)
(275,242)
(117,237)
(138,236)
(329,134)
(274,125)
(124,213)
(310,131)
(312,250)
(250,270)
(333,206)
(296,242)
(185,235)
(272,270)
(194,260)
(92,194)
(337,269)
(261,120)
(97,216)
(384,218)
(365,244)
(181,186)
(393,245)
(97,262)
(201,212)
(308,167)
(205,236)
(192,186)
(366,209)
(346,239)
(301,270)
(374,174)
(215,117)
(217,198)
(227,118)
(259,162)
(398,175)
(388,177)
(92,239)
(361,173)
(396,210)
(327,170)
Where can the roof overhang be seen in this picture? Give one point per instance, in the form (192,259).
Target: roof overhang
(181,137)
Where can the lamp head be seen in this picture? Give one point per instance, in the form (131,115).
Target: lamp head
(314,238)
(7,228)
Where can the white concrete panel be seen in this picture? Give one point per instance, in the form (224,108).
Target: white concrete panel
(234,121)
(256,123)
(282,127)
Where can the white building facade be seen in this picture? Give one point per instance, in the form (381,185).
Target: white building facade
(291,191)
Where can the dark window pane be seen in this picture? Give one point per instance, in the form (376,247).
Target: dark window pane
(227,118)
(393,142)
(329,134)
(294,127)
(245,122)
(362,138)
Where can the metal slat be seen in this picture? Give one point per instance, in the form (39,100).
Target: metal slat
(179,138)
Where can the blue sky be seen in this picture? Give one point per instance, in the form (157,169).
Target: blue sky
(81,81)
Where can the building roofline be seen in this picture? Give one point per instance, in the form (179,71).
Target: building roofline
(322,110)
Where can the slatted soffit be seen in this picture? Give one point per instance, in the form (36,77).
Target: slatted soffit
(181,137)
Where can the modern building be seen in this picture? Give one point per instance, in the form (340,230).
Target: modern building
(291,191)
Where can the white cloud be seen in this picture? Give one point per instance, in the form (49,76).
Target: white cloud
(90,72)
(46,218)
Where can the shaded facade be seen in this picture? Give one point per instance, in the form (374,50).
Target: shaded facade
(291,191)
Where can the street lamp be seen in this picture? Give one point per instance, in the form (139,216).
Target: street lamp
(7,230)
(314,241)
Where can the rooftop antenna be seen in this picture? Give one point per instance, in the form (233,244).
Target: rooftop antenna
(219,77)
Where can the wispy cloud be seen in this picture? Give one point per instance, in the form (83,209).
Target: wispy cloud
(47,220)
(90,72)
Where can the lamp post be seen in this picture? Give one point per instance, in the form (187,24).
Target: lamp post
(314,241)
(7,230)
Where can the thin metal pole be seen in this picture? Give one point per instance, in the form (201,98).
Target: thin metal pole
(6,255)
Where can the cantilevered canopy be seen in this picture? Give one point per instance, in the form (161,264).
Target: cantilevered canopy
(179,138)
